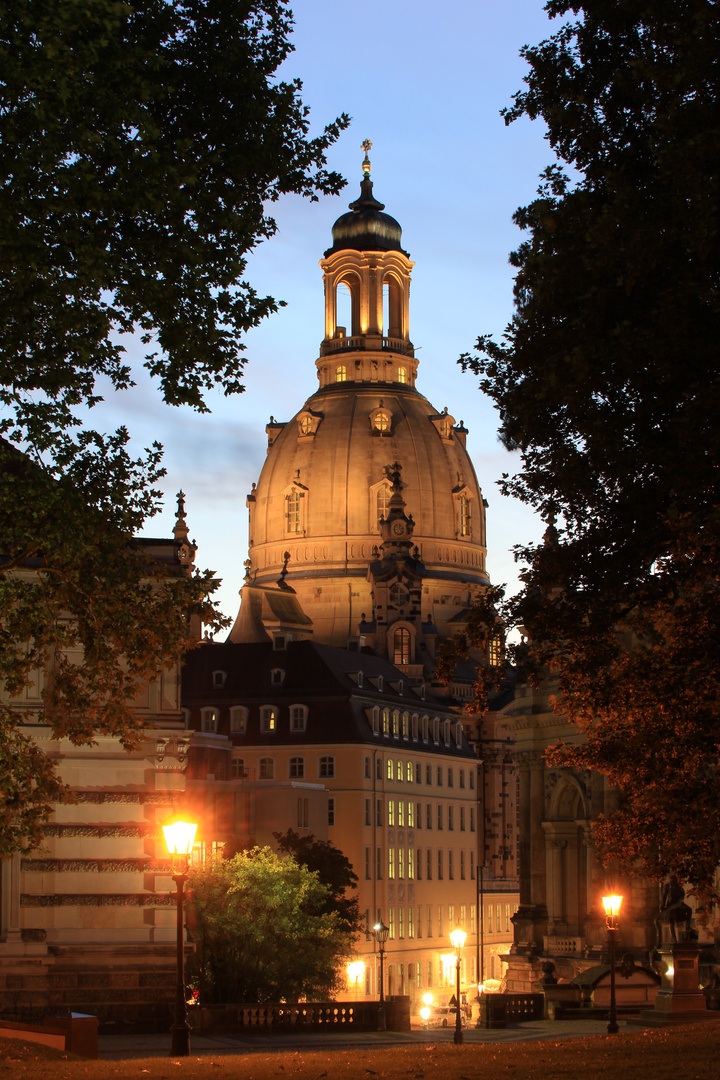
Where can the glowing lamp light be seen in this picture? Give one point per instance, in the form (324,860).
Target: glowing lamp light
(356,971)
(180,837)
(428,999)
(425,1013)
(457,937)
(612,905)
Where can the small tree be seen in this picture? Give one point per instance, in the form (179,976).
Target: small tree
(260,933)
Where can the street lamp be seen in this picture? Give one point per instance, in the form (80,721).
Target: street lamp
(612,906)
(381,932)
(457,938)
(180,837)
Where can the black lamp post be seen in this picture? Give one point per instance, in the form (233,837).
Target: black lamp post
(612,907)
(180,837)
(381,932)
(457,938)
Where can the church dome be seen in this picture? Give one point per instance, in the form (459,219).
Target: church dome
(366,228)
(326,485)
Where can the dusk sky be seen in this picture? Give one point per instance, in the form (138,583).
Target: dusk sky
(426,83)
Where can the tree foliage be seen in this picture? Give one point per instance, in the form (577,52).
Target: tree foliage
(332,868)
(607,383)
(260,931)
(140,147)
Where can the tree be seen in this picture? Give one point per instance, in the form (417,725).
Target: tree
(259,932)
(332,868)
(607,384)
(140,145)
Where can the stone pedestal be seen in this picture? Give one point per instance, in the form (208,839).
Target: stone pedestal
(680,999)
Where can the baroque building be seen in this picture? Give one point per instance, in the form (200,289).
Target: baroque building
(367,547)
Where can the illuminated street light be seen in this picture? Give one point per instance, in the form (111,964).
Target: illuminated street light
(612,905)
(180,837)
(381,932)
(457,937)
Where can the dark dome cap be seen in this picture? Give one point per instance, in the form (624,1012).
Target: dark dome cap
(366,228)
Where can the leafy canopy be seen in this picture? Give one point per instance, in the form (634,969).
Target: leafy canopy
(334,870)
(607,384)
(260,932)
(140,148)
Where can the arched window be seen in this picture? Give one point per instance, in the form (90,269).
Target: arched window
(209,721)
(296,768)
(340,373)
(292,511)
(382,502)
(238,719)
(402,375)
(390,769)
(298,717)
(386,721)
(401,646)
(268,718)
(266,768)
(326,767)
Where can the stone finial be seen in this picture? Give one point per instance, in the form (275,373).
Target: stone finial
(186,548)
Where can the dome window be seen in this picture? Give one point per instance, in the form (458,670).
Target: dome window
(402,375)
(464,515)
(381,421)
(308,423)
(341,373)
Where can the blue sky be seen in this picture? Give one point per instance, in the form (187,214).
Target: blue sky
(426,83)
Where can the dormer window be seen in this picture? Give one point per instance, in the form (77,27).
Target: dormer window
(238,720)
(292,512)
(268,718)
(381,421)
(209,721)
(218,679)
(298,717)
(277,676)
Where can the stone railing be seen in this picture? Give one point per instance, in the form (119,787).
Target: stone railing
(562,946)
(323,1016)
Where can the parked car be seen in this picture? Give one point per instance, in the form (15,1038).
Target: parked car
(444,1016)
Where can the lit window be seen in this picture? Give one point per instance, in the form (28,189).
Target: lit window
(340,373)
(386,721)
(401,814)
(327,767)
(400,770)
(401,862)
(401,647)
(396,724)
(391,863)
(390,769)
(292,512)
(381,421)
(209,720)
(402,375)
(268,718)
(266,768)
(296,768)
(409,772)
(411,864)
(391,812)
(495,650)
(411,815)
(406,729)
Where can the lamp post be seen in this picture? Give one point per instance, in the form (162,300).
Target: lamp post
(180,837)
(457,938)
(381,932)
(612,906)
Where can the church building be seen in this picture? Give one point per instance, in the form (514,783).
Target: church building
(367,548)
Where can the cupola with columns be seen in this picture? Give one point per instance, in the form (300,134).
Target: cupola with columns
(367,259)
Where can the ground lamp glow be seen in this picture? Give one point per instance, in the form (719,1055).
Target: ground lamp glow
(457,937)
(381,932)
(612,906)
(180,837)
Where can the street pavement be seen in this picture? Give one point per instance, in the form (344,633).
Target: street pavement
(120,1047)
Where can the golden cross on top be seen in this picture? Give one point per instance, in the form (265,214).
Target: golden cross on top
(366,146)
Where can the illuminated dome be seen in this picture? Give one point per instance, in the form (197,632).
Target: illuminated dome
(327,481)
